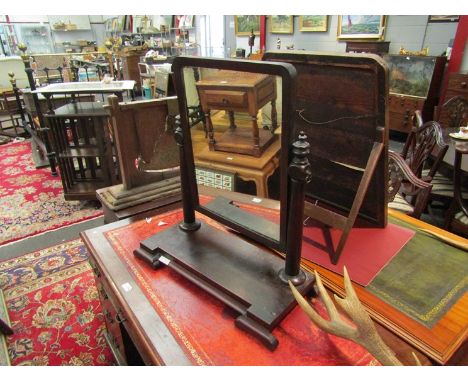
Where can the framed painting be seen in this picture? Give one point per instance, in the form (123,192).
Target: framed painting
(361,27)
(443,19)
(281,24)
(245,24)
(313,23)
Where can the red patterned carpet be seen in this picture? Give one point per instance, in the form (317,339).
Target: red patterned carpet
(54,308)
(31,200)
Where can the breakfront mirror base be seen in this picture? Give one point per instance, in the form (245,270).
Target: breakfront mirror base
(242,275)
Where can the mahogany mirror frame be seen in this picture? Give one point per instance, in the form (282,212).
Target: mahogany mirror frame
(287,73)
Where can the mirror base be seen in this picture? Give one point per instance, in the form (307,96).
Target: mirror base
(296,280)
(184,226)
(242,275)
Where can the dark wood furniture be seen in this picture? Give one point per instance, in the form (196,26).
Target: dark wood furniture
(376,47)
(129,62)
(83,149)
(457,216)
(403,183)
(453,112)
(209,257)
(408,94)
(457,86)
(341,107)
(238,92)
(142,132)
(135,327)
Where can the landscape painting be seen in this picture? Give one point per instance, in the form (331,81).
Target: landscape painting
(313,23)
(245,24)
(361,27)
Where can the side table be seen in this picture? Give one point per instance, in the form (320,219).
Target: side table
(245,166)
(239,92)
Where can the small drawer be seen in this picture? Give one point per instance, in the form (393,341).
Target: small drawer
(400,122)
(401,104)
(458,82)
(225,99)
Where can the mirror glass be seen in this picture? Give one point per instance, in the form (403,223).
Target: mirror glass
(235,119)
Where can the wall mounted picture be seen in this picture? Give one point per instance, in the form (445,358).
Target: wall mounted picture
(362,27)
(313,23)
(281,24)
(443,19)
(245,24)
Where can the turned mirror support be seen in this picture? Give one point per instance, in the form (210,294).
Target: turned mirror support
(299,172)
(189,223)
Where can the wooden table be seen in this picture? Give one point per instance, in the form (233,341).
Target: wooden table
(238,92)
(245,166)
(72,88)
(449,157)
(136,327)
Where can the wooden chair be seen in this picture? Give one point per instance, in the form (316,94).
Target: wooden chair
(421,142)
(9,107)
(454,111)
(404,184)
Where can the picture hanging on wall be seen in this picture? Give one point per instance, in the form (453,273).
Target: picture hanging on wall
(245,24)
(313,23)
(443,19)
(281,24)
(361,27)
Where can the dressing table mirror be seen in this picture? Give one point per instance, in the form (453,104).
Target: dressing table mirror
(224,243)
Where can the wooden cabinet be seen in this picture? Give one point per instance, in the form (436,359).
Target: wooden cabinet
(457,85)
(401,109)
(376,47)
(81,143)
(129,62)
(414,83)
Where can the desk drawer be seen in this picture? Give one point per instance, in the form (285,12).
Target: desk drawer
(400,121)
(225,99)
(457,83)
(403,105)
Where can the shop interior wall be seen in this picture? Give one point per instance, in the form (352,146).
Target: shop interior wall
(411,32)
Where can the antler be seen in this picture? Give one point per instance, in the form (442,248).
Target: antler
(364,332)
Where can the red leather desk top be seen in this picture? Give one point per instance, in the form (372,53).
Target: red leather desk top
(205,329)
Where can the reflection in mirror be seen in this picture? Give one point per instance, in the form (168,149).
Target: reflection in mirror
(235,120)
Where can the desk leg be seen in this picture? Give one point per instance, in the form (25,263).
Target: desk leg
(256,138)
(262,187)
(232,124)
(274,116)
(209,127)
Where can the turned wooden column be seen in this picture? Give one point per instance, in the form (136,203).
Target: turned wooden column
(189,223)
(299,173)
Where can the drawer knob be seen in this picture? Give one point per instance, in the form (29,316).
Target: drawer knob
(225,101)
(463,84)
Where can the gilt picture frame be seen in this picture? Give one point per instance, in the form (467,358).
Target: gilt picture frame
(244,24)
(313,23)
(361,27)
(443,18)
(281,24)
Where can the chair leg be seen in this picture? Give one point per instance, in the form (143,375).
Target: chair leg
(450,214)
